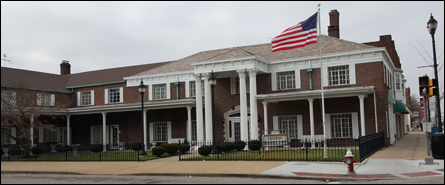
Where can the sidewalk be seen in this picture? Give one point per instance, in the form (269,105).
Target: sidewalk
(398,161)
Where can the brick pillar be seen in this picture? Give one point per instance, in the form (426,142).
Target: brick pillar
(65,68)
(334,27)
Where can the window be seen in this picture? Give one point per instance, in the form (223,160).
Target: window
(97,134)
(8,98)
(114,95)
(160,132)
(194,131)
(85,98)
(288,125)
(237,85)
(286,80)
(49,136)
(6,137)
(341,126)
(403,89)
(45,99)
(160,91)
(193,88)
(397,81)
(338,75)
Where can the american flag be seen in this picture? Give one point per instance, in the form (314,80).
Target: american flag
(300,35)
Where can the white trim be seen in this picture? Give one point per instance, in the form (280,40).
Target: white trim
(187,89)
(92,97)
(328,126)
(53,99)
(150,92)
(274,81)
(355,131)
(300,126)
(106,96)
(297,79)
(121,94)
(78,98)
(352,77)
(275,122)
(167,91)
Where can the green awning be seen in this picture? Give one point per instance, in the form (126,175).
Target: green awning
(400,107)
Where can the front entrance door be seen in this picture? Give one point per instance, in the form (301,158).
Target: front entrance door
(114,136)
(235,127)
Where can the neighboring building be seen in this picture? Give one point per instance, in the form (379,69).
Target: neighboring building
(257,91)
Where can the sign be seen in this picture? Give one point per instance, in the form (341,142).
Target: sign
(275,140)
(421,102)
(426,126)
(415,114)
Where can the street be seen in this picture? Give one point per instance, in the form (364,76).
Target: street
(131,179)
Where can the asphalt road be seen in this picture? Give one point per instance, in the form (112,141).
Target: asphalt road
(128,179)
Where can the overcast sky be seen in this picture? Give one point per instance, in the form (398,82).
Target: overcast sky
(98,35)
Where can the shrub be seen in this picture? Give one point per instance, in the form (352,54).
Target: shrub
(36,151)
(163,145)
(158,151)
(65,148)
(136,146)
(225,147)
(254,145)
(171,148)
(184,148)
(205,150)
(97,148)
(239,145)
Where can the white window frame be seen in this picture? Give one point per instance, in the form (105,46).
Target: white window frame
(80,96)
(195,129)
(343,122)
(286,80)
(192,87)
(298,133)
(159,91)
(6,133)
(397,76)
(152,130)
(45,99)
(96,134)
(355,124)
(109,95)
(9,96)
(339,78)
(49,136)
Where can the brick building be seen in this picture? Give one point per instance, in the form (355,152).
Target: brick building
(257,91)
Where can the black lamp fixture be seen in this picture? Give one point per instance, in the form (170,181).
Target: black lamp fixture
(212,82)
(142,88)
(432,26)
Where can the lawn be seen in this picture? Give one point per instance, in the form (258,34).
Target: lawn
(334,155)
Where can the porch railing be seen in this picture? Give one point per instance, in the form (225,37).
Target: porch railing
(77,152)
(370,144)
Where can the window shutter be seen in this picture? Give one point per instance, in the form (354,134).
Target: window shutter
(78,98)
(275,123)
(53,99)
(167,89)
(355,132)
(13,134)
(150,131)
(92,97)
(187,89)
(106,96)
(352,74)
(233,85)
(328,126)
(169,131)
(274,81)
(325,76)
(58,134)
(297,79)
(300,126)
(150,92)
(40,135)
(121,94)
(39,99)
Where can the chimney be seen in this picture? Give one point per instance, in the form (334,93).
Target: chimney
(333,28)
(65,67)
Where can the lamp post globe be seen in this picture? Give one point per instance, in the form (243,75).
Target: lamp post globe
(432,26)
(142,88)
(212,82)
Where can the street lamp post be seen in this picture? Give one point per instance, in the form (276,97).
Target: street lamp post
(142,89)
(212,82)
(432,25)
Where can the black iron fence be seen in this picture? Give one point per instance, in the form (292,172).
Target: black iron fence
(77,152)
(370,144)
(317,149)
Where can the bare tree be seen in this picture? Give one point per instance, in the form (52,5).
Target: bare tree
(21,108)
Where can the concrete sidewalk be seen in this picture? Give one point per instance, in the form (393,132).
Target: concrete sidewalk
(398,161)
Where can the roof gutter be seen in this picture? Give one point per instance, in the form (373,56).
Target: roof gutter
(91,85)
(37,89)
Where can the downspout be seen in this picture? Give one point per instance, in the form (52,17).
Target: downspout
(375,115)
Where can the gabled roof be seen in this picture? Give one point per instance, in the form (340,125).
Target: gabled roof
(329,45)
(44,81)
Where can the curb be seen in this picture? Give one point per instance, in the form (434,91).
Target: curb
(211,175)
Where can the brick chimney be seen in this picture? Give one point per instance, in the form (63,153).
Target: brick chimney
(334,27)
(65,67)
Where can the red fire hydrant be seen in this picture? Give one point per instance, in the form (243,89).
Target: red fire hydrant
(350,161)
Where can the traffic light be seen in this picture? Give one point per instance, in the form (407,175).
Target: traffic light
(425,84)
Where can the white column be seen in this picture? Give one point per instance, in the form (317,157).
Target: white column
(199,113)
(265,118)
(189,125)
(68,130)
(243,104)
(208,106)
(145,128)
(32,130)
(311,116)
(362,114)
(104,129)
(253,105)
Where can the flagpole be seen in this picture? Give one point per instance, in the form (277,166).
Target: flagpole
(322,91)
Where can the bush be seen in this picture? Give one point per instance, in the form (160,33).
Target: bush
(225,147)
(97,148)
(65,148)
(239,145)
(171,148)
(136,146)
(254,145)
(158,151)
(184,148)
(205,150)
(36,151)
(163,145)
